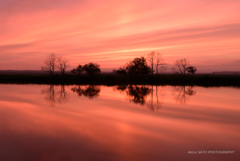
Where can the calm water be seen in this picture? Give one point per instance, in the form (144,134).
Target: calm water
(122,123)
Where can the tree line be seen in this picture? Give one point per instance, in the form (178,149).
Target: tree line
(154,63)
(139,66)
(52,62)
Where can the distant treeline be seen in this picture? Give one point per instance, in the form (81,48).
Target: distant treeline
(137,67)
(137,71)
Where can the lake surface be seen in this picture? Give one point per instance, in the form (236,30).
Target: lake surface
(119,123)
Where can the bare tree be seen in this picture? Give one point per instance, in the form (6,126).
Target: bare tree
(151,57)
(155,57)
(50,64)
(62,64)
(159,62)
(180,66)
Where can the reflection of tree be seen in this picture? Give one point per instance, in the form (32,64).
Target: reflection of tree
(62,95)
(155,105)
(78,90)
(53,95)
(138,94)
(120,88)
(90,92)
(183,93)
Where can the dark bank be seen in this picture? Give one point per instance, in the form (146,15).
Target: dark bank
(114,79)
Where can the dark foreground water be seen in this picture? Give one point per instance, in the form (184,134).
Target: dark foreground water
(121,123)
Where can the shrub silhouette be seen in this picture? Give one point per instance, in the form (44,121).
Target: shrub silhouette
(191,69)
(138,67)
(120,71)
(92,69)
(78,70)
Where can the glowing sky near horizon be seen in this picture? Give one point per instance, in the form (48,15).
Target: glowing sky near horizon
(112,33)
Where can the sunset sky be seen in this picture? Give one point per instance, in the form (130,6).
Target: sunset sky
(113,32)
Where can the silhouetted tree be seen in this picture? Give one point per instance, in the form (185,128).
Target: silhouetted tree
(180,66)
(50,64)
(159,63)
(78,70)
(120,71)
(62,64)
(191,69)
(92,69)
(155,57)
(151,57)
(138,67)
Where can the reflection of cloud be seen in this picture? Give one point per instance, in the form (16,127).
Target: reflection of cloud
(183,93)
(91,91)
(78,132)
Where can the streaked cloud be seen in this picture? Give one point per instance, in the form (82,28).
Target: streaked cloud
(113,32)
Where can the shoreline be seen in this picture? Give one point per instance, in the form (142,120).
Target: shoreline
(113,79)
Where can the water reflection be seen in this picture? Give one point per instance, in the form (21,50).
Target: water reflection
(115,129)
(91,91)
(150,96)
(155,103)
(182,93)
(138,94)
(54,95)
(120,88)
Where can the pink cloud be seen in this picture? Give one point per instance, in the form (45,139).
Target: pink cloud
(113,32)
